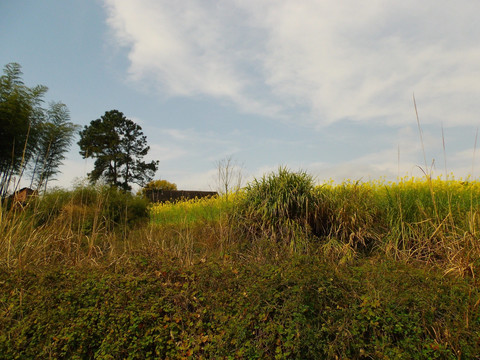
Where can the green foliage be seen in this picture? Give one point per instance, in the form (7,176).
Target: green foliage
(20,116)
(280,205)
(300,308)
(56,136)
(118,145)
(157,185)
(31,135)
(124,208)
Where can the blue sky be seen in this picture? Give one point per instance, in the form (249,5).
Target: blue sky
(322,86)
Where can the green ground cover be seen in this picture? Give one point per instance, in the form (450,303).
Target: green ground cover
(299,308)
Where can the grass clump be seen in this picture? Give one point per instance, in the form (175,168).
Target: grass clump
(280,206)
(350,218)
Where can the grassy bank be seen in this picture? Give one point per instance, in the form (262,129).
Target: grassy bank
(285,269)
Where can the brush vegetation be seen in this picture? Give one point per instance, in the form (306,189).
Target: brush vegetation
(283,268)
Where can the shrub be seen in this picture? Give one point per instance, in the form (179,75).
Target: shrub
(89,208)
(157,185)
(123,208)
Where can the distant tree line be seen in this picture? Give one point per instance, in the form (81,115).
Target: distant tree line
(34,138)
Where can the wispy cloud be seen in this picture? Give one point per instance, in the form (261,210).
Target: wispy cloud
(323,61)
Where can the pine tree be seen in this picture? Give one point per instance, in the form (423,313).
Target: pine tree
(118,146)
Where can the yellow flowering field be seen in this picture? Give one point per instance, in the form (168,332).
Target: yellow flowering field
(412,218)
(409,200)
(192,210)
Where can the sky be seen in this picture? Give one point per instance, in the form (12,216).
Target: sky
(325,87)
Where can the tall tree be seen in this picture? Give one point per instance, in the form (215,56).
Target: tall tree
(118,146)
(56,137)
(20,117)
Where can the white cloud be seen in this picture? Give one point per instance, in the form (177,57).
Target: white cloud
(319,61)
(181,45)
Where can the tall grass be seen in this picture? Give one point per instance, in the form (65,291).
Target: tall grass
(433,221)
(68,227)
